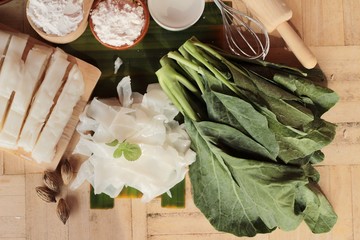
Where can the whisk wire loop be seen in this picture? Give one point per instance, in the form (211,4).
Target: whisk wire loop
(242,39)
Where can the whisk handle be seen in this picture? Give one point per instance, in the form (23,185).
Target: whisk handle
(297,45)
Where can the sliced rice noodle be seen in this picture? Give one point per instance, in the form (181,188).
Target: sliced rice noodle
(11,72)
(124,92)
(144,120)
(74,87)
(35,64)
(43,100)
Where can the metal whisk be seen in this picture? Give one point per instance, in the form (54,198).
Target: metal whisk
(243,40)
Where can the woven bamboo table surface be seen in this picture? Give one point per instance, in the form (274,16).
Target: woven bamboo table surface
(331,28)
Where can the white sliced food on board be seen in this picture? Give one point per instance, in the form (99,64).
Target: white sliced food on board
(43,100)
(34,68)
(74,87)
(11,72)
(4,41)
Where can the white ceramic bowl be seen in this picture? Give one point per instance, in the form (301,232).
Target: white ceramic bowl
(176,15)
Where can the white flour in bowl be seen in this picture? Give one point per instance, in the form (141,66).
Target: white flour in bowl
(57,17)
(119,23)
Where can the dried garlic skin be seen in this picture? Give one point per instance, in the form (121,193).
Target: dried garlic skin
(66,172)
(63,210)
(52,180)
(46,194)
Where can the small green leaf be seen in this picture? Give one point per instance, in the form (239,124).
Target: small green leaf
(132,151)
(118,152)
(113,143)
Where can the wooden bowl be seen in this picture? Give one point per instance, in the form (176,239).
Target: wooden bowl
(143,31)
(69,37)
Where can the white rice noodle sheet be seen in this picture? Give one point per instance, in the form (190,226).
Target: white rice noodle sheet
(154,173)
(124,92)
(103,113)
(137,127)
(34,68)
(96,119)
(45,148)
(144,120)
(158,103)
(43,100)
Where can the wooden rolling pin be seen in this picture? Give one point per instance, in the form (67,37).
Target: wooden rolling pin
(274,14)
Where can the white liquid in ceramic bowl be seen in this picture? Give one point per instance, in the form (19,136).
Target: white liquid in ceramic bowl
(176,15)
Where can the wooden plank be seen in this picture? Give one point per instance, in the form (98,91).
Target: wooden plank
(179,223)
(12,238)
(341,198)
(12,185)
(346,141)
(339,63)
(1,163)
(355,176)
(325,177)
(12,227)
(79,220)
(138,219)
(113,223)
(341,154)
(352,22)
(41,216)
(347,89)
(205,236)
(301,233)
(320,19)
(340,112)
(13,164)
(12,206)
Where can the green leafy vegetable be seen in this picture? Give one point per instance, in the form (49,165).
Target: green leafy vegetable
(257,130)
(242,196)
(236,112)
(314,207)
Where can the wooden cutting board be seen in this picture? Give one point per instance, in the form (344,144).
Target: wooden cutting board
(91,75)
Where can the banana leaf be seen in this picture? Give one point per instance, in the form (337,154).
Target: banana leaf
(177,199)
(140,63)
(142,60)
(100,201)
